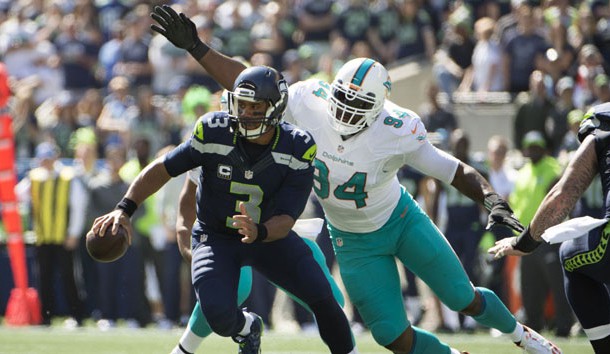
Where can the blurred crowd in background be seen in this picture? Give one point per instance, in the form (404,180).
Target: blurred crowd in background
(94,89)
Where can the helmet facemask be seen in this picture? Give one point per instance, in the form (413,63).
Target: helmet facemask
(350,110)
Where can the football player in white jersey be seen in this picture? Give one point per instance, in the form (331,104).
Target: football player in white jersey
(363,139)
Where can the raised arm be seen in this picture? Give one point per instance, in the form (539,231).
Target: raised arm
(182,32)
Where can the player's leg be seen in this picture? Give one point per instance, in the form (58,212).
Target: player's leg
(370,275)
(586,264)
(289,263)
(428,254)
(198,328)
(216,265)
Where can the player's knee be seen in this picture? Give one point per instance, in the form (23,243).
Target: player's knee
(404,342)
(222,319)
(475,307)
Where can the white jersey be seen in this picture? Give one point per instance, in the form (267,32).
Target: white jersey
(355,179)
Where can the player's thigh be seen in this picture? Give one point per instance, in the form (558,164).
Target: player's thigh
(370,275)
(215,271)
(426,252)
(289,263)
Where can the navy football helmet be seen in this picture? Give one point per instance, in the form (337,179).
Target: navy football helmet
(257,84)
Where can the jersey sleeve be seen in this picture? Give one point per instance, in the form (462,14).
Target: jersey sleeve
(188,155)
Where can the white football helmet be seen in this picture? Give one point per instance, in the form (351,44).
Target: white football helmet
(357,95)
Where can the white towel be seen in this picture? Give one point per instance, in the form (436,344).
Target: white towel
(571,229)
(308,228)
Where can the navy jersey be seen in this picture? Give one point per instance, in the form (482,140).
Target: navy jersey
(276,181)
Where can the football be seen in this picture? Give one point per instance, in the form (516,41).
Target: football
(108,248)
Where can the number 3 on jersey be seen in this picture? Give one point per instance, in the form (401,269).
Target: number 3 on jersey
(353,189)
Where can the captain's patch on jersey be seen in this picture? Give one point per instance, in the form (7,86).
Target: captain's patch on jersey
(224,172)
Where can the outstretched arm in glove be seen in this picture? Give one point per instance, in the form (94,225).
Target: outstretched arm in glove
(182,32)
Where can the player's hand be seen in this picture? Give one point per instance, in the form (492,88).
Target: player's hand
(502,214)
(245,224)
(177,28)
(113,219)
(505,247)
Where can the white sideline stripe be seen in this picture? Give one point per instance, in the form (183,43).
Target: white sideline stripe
(597,332)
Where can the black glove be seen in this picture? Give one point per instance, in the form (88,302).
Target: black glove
(500,213)
(179,30)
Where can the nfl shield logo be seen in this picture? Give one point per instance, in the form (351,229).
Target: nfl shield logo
(339,242)
(249,174)
(340,149)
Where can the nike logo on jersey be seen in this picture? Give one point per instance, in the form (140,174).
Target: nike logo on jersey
(310,154)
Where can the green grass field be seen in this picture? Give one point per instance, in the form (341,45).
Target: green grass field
(35,340)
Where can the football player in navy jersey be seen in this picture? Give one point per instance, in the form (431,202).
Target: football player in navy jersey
(584,252)
(256,176)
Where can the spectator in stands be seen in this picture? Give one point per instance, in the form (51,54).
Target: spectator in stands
(570,142)
(502,177)
(382,31)
(533,114)
(601,90)
(582,30)
(557,126)
(486,72)
(133,60)
(109,53)
(561,55)
(235,28)
(353,22)
(590,63)
(57,228)
(294,69)
(415,37)
(119,108)
(316,20)
(524,53)
(541,272)
(272,34)
(432,113)
(454,57)
(78,56)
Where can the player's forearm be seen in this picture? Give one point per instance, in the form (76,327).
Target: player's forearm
(564,195)
(278,227)
(148,181)
(185,219)
(471,183)
(222,68)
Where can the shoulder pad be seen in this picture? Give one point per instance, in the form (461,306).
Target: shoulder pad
(210,120)
(305,147)
(597,117)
